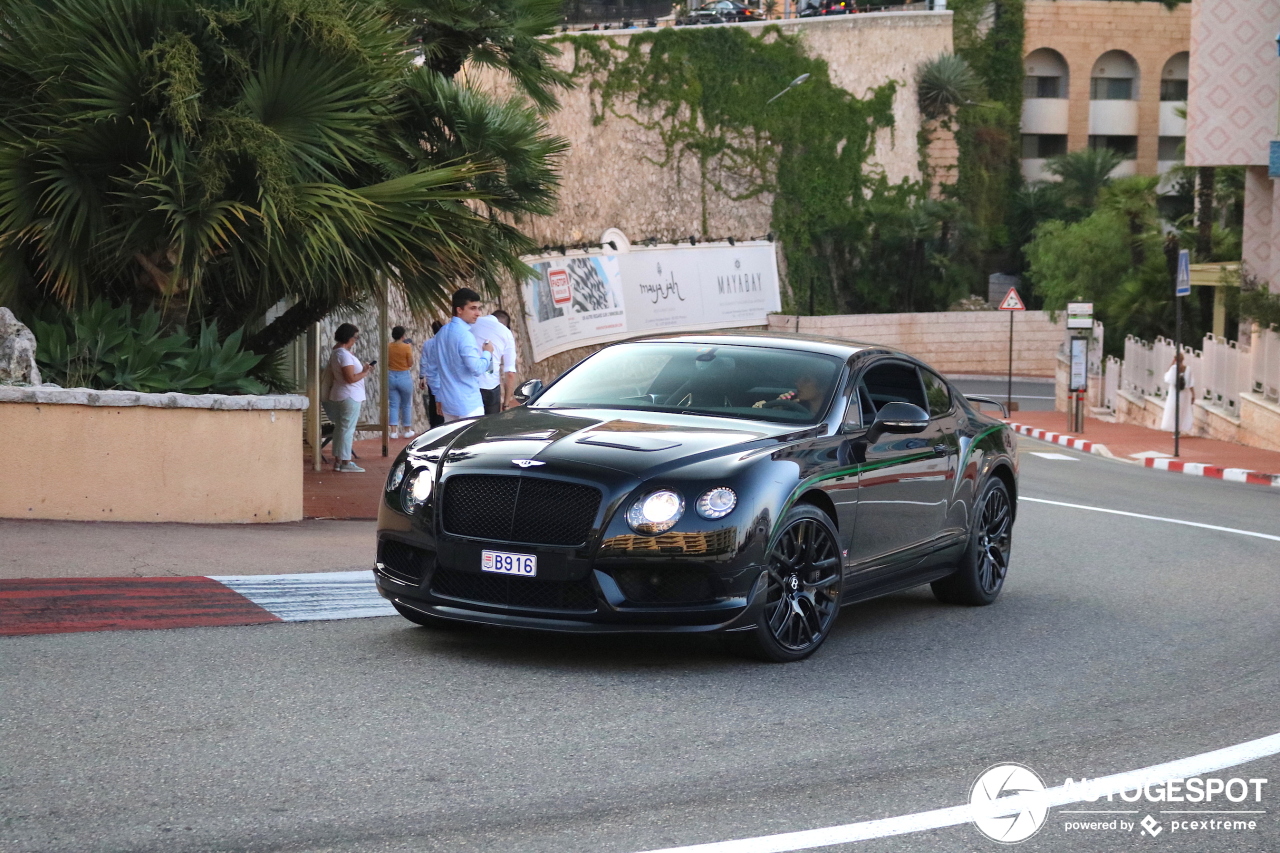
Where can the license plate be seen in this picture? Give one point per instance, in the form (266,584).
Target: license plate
(506,563)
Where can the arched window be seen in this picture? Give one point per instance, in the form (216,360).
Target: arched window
(1047,75)
(1114,78)
(1173,79)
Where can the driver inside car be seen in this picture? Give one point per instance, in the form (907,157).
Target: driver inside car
(808,393)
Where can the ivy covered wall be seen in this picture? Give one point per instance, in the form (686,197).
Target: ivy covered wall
(855,237)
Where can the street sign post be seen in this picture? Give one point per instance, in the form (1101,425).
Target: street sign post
(1079,315)
(1012,302)
(1181,287)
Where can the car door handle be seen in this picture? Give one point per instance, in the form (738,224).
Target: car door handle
(940,450)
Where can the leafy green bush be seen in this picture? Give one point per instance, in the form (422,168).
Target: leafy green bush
(106,348)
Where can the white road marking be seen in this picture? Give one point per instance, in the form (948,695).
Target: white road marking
(1151,454)
(1060,457)
(310,597)
(1183,768)
(1154,518)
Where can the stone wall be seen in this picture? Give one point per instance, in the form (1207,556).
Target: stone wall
(82,455)
(609,180)
(952,341)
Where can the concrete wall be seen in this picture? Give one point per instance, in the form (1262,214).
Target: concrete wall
(1083,30)
(951,341)
(117,456)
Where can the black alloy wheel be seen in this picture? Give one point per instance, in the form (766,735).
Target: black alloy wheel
(985,563)
(803,584)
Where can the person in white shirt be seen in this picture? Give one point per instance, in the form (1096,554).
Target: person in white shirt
(498,382)
(345,396)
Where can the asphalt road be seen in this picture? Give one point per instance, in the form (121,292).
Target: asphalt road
(1030,395)
(1118,643)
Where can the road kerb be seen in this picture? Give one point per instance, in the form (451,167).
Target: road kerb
(1195,469)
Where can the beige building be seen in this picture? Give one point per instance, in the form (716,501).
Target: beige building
(1105,73)
(1235,86)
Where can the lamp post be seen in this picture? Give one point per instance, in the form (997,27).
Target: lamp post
(790,86)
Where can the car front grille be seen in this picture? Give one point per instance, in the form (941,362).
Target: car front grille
(665,585)
(403,561)
(529,593)
(519,509)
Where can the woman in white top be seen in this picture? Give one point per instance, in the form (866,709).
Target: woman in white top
(1180,381)
(345,396)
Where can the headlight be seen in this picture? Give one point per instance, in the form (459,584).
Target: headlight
(417,490)
(717,503)
(656,512)
(396,478)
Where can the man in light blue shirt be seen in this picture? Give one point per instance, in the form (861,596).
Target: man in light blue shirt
(454,364)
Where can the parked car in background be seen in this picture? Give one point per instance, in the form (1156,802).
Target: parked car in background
(829,7)
(749,484)
(722,11)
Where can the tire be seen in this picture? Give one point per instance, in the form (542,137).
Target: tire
(980,575)
(804,581)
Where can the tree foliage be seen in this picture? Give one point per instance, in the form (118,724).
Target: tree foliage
(215,156)
(1113,257)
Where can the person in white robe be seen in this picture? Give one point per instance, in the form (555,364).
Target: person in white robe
(1180,381)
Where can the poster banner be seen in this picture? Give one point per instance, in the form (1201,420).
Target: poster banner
(589,299)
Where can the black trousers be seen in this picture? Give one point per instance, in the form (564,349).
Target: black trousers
(492,400)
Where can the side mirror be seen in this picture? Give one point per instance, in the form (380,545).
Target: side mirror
(898,418)
(527,391)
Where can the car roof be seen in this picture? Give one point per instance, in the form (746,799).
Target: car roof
(839,347)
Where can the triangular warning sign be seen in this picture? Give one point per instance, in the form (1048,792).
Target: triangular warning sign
(1012,302)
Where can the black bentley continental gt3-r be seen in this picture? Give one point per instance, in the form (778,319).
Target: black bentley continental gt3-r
(749,484)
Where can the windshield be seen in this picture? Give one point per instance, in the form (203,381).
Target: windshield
(779,385)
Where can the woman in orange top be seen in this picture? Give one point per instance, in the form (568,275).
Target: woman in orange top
(400,383)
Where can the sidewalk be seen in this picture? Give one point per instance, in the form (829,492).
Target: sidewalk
(1154,448)
(352,496)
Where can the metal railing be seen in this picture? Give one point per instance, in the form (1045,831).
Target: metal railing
(1264,372)
(1112,370)
(1221,370)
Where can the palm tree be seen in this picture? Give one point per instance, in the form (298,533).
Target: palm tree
(1084,173)
(501,34)
(216,156)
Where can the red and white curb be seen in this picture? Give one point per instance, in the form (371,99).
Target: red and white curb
(1201,469)
(69,605)
(1065,440)
(1196,469)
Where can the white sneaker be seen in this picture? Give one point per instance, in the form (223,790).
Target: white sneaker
(349,468)
(407,434)
(395,433)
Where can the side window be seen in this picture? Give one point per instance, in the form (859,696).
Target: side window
(894,382)
(937,393)
(861,411)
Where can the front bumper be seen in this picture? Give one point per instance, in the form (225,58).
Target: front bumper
(570,595)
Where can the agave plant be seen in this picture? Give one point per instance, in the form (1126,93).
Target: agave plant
(944,83)
(217,156)
(106,348)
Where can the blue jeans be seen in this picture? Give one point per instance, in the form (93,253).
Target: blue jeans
(400,398)
(345,414)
